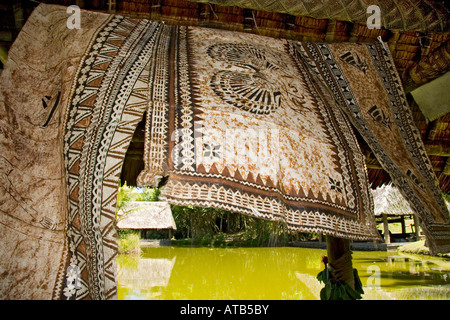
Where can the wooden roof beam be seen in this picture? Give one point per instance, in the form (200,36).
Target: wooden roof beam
(442,150)
(446,170)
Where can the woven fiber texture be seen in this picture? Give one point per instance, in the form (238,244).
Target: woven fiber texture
(397,14)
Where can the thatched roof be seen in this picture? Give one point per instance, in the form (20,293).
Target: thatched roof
(388,200)
(396,14)
(146,215)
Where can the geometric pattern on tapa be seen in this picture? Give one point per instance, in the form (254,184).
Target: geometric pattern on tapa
(243,125)
(378,109)
(108,100)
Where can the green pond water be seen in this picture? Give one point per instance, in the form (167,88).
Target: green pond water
(191,273)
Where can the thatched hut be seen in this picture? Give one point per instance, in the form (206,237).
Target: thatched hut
(391,206)
(146,215)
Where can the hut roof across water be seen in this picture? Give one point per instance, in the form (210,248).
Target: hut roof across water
(146,215)
(388,200)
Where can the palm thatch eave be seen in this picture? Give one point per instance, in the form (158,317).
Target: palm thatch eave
(146,215)
(389,201)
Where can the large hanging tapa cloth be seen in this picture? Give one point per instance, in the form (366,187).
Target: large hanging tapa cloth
(252,124)
(70,101)
(34,93)
(363,79)
(236,121)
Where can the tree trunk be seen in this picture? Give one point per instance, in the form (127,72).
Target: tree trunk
(340,260)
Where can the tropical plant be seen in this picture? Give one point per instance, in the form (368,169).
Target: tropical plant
(130,193)
(129,243)
(339,290)
(213,226)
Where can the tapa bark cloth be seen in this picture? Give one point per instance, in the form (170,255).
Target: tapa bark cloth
(85,102)
(254,125)
(378,109)
(238,122)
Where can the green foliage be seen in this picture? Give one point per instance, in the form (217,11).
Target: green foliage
(130,193)
(339,290)
(123,233)
(224,228)
(129,242)
(195,222)
(211,226)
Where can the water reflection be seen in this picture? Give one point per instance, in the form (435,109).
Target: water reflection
(404,276)
(271,273)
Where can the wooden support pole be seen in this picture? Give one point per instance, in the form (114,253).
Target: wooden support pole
(112,7)
(340,260)
(387,237)
(402,221)
(416,226)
